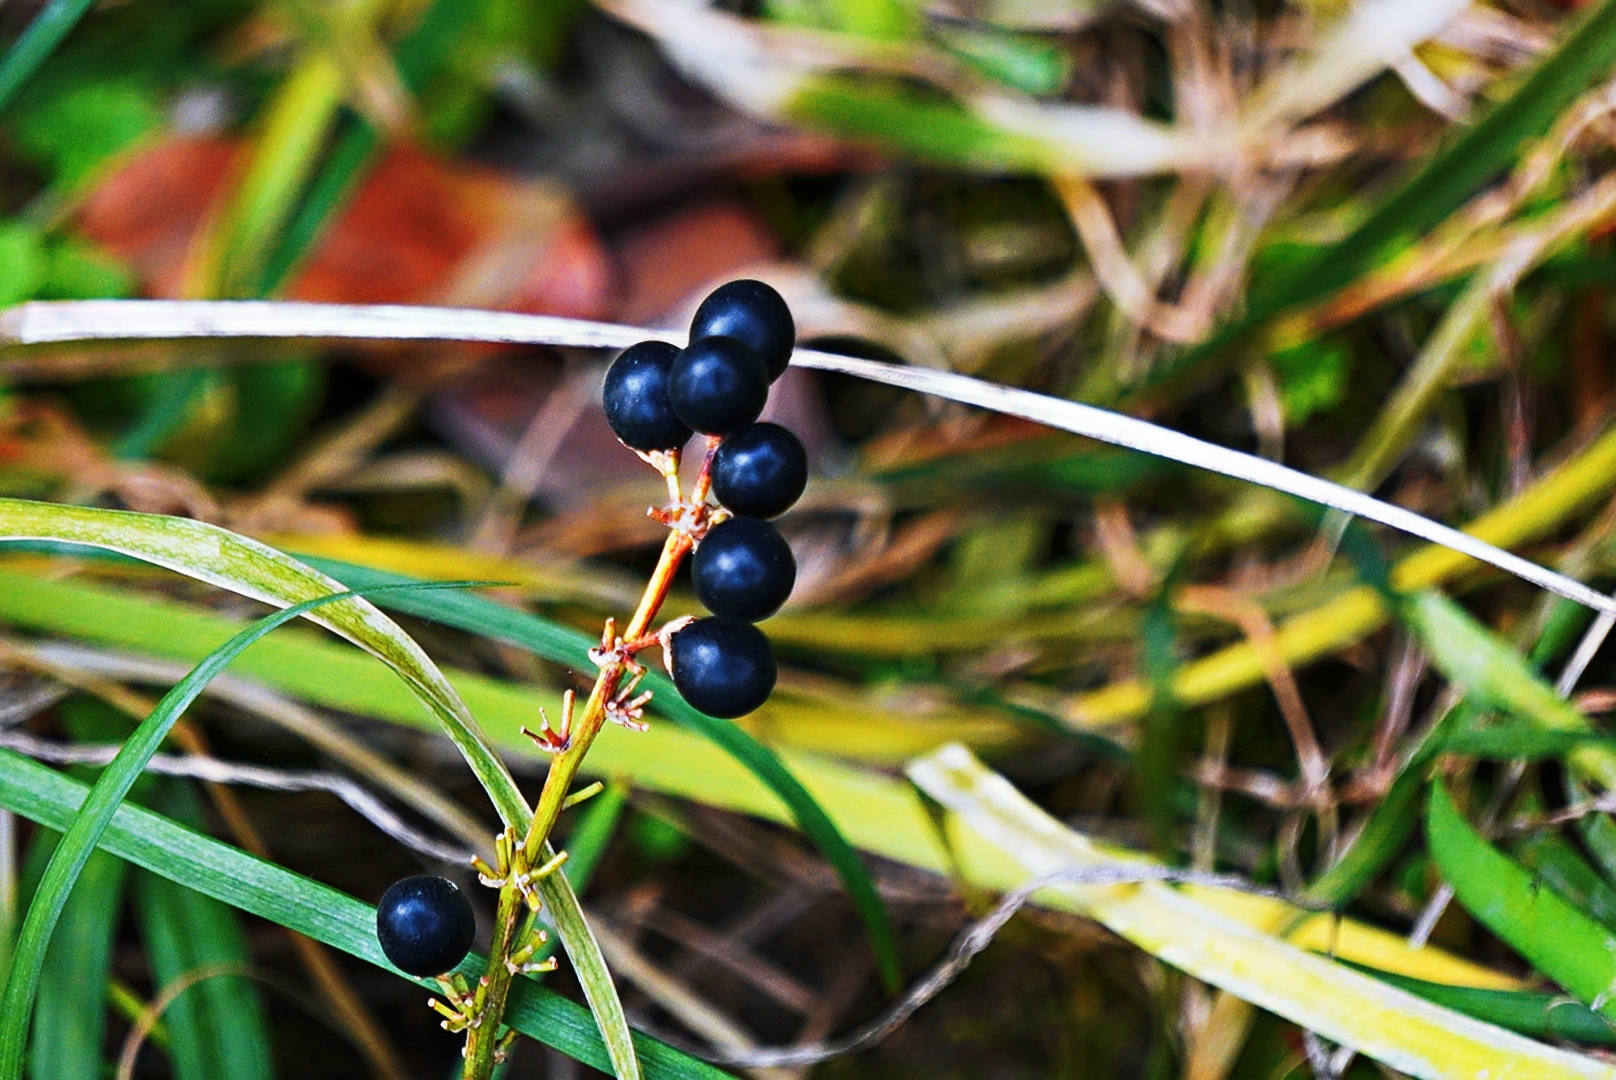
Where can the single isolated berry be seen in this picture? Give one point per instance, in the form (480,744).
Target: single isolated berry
(752,312)
(722,667)
(760,472)
(636,398)
(718,386)
(425,925)
(743,569)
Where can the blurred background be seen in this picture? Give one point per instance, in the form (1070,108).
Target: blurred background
(1365,240)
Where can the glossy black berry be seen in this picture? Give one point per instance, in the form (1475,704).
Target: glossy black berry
(636,398)
(760,472)
(752,312)
(743,569)
(718,386)
(722,667)
(425,925)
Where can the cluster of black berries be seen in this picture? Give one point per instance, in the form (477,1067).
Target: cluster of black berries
(656,396)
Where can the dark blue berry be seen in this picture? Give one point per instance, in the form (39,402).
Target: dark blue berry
(743,569)
(425,925)
(761,472)
(718,386)
(752,312)
(636,398)
(722,667)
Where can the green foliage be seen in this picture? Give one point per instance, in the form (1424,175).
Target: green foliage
(1021,62)
(882,20)
(924,124)
(1312,377)
(1542,1016)
(657,839)
(71,133)
(1561,941)
(23,261)
(77,271)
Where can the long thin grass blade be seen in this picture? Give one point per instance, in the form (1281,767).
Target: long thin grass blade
(1542,1016)
(70,1020)
(110,320)
(30,51)
(1346,1007)
(220,557)
(81,838)
(217,1025)
(261,888)
(589,965)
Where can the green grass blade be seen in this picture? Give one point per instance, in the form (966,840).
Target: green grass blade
(589,965)
(587,844)
(220,557)
(70,1022)
(82,836)
(1493,674)
(30,51)
(1562,942)
(563,645)
(1542,1016)
(261,888)
(216,1025)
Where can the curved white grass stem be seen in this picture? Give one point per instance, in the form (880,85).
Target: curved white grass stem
(125,320)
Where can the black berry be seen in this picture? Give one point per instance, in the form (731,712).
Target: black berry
(722,667)
(636,398)
(718,386)
(752,312)
(425,925)
(743,569)
(760,472)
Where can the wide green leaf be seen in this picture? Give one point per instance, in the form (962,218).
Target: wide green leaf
(1540,924)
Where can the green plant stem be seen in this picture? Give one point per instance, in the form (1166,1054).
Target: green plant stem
(483,1039)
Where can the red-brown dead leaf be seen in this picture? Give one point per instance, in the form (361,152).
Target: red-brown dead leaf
(419,230)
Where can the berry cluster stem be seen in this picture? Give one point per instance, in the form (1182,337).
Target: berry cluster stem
(482,1039)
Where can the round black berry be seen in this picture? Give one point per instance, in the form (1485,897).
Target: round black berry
(752,312)
(636,398)
(743,569)
(718,386)
(722,667)
(761,472)
(425,925)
